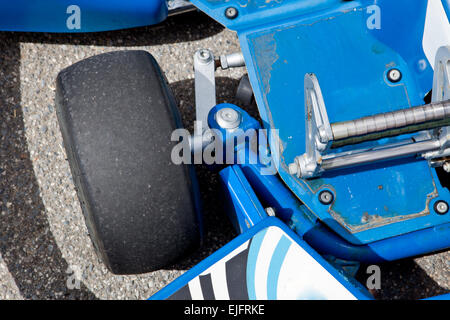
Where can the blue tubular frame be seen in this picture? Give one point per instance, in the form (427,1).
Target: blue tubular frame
(247,187)
(399,247)
(273,38)
(242,201)
(325,241)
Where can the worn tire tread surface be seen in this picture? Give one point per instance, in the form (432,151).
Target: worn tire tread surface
(116,115)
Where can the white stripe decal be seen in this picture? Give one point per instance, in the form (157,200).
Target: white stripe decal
(219,274)
(436,32)
(267,248)
(219,282)
(196,289)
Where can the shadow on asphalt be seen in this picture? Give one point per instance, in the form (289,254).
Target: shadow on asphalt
(405,280)
(27,245)
(189,26)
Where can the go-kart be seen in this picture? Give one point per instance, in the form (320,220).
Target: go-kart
(348,162)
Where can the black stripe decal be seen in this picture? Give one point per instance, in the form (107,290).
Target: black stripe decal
(183,294)
(236,269)
(207,288)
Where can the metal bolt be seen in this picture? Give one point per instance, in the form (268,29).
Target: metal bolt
(204,55)
(231,13)
(326,197)
(293,168)
(441,207)
(446,166)
(228,118)
(394,75)
(322,134)
(270,212)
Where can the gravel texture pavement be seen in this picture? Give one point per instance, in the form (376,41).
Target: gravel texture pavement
(45,250)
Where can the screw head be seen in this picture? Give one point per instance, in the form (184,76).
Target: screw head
(394,75)
(270,212)
(322,134)
(231,12)
(326,197)
(228,118)
(441,207)
(204,55)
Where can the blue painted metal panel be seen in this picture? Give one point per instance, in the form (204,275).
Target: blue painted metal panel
(99,15)
(290,210)
(252,13)
(332,39)
(404,36)
(246,185)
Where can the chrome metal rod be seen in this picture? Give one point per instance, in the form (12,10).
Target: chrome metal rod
(379,154)
(391,120)
(233,60)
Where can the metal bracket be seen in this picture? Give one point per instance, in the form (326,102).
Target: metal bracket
(320,134)
(205,81)
(441,92)
(318,131)
(205,86)
(205,92)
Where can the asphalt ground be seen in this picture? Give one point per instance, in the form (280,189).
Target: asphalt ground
(45,250)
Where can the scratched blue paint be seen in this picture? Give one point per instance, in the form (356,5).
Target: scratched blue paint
(331,39)
(352,54)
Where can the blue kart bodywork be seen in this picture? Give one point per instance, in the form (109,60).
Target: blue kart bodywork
(381,211)
(79,16)
(331,39)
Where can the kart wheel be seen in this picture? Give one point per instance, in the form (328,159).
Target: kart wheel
(116,114)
